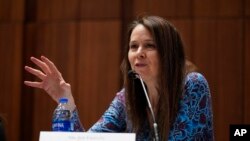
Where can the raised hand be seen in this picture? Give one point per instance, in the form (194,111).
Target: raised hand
(51,80)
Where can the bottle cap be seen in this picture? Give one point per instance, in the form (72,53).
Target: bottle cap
(63,100)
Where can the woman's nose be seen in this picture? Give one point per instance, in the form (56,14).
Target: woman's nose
(141,53)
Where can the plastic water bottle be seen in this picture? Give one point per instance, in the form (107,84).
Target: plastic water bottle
(61,120)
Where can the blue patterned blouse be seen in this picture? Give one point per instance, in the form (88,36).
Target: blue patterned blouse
(194,120)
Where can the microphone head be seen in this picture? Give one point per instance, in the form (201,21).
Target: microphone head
(132,74)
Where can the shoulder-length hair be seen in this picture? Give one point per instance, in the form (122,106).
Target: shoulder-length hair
(172,70)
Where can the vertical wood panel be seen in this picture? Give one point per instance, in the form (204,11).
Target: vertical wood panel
(204,53)
(165,8)
(4,9)
(214,8)
(48,10)
(65,9)
(98,68)
(73,9)
(247,8)
(11,10)
(58,9)
(247,73)
(232,8)
(185,29)
(141,7)
(229,76)
(17,10)
(43,9)
(10,76)
(183,8)
(27,98)
(100,9)
(205,8)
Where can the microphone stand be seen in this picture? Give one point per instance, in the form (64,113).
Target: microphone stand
(136,75)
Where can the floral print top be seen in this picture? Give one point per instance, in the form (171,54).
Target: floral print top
(194,120)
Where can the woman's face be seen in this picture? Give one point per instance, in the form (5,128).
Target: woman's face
(143,55)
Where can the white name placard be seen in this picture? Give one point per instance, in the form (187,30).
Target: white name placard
(85,136)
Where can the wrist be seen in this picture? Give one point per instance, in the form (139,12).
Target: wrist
(72,104)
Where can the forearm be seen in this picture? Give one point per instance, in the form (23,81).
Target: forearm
(113,120)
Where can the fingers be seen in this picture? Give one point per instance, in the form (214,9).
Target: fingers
(51,65)
(41,64)
(35,72)
(33,84)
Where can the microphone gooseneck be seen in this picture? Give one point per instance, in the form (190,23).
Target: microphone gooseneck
(132,74)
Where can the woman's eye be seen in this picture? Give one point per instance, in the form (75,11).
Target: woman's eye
(150,45)
(133,46)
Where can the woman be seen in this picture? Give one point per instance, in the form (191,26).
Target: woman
(180,99)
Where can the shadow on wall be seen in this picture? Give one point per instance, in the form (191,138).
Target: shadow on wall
(2,129)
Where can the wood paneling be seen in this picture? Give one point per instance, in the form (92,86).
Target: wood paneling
(100,9)
(185,29)
(218,8)
(10,76)
(43,10)
(204,49)
(205,8)
(76,9)
(98,68)
(11,10)
(246,7)
(247,72)
(229,76)
(230,8)
(165,8)
(48,10)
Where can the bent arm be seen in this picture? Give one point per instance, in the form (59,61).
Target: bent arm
(113,120)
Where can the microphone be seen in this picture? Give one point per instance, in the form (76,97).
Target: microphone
(132,74)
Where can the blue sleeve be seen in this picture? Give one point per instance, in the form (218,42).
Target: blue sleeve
(113,120)
(194,120)
(77,125)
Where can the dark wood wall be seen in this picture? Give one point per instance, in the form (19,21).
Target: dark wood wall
(84,38)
